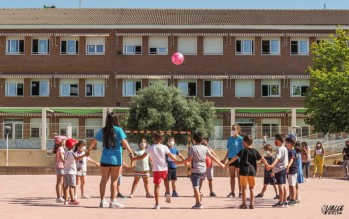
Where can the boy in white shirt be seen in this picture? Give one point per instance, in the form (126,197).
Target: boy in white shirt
(157,152)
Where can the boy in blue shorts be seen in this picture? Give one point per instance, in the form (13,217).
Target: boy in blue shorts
(291,168)
(172,167)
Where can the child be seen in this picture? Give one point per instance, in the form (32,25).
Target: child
(172,167)
(279,169)
(157,153)
(234,145)
(209,169)
(291,168)
(70,171)
(268,174)
(58,150)
(300,177)
(81,166)
(248,169)
(197,156)
(142,169)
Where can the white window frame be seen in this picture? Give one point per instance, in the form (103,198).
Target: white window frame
(125,92)
(238,81)
(270,45)
(187,45)
(94,83)
(132,42)
(154,44)
(210,39)
(270,84)
(15,83)
(243,40)
(47,81)
(212,82)
(9,43)
(36,123)
(300,84)
(69,39)
(187,88)
(95,41)
(68,83)
(299,46)
(40,39)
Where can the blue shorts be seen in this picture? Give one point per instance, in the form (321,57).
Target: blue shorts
(195,178)
(280,177)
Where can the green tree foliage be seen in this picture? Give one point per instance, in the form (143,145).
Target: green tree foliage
(327,101)
(166,108)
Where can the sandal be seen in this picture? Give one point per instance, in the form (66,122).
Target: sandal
(251,206)
(149,196)
(243,206)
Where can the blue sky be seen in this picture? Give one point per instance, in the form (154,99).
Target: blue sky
(238,4)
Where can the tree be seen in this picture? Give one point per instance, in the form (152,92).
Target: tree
(161,107)
(327,99)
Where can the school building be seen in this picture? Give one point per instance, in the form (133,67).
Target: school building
(71,66)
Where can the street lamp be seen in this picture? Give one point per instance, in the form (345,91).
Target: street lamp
(7,132)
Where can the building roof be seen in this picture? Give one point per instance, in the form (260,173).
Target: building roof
(57,16)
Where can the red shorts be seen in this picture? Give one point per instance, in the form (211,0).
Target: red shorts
(158,175)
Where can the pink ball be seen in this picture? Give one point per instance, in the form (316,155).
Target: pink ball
(177,58)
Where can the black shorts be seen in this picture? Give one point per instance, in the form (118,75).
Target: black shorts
(108,165)
(235,163)
(172,174)
(280,177)
(268,179)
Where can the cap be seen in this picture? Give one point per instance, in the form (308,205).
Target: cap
(291,136)
(59,139)
(71,142)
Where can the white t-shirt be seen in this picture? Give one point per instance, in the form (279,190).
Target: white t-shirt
(70,165)
(157,153)
(81,165)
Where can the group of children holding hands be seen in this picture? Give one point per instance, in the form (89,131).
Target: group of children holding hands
(242,160)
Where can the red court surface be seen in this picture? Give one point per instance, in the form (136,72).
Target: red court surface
(33,196)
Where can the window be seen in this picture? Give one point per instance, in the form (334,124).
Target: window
(213,88)
(271,47)
(40,88)
(244,46)
(187,45)
(35,127)
(130,88)
(69,88)
(70,46)
(16,128)
(270,88)
(158,45)
(95,88)
(92,126)
(95,45)
(132,45)
(15,46)
(299,88)
(213,45)
(188,87)
(65,122)
(299,47)
(41,46)
(244,88)
(14,87)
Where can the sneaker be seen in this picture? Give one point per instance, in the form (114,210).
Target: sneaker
(75,197)
(74,202)
(292,203)
(243,206)
(103,203)
(276,197)
(278,205)
(232,195)
(285,204)
(175,194)
(168,198)
(259,196)
(157,207)
(240,195)
(212,194)
(306,180)
(197,206)
(60,200)
(85,196)
(120,195)
(115,204)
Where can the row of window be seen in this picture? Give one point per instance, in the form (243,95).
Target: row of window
(159,45)
(211,88)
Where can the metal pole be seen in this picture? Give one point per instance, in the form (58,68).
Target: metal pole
(6,149)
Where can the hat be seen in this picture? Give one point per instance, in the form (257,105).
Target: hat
(71,142)
(59,139)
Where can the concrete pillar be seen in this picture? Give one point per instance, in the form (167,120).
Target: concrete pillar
(104,116)
(232,116)
(69,131)
(293,117)
(43,128)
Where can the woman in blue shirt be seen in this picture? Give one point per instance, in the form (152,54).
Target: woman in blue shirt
(114,139)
